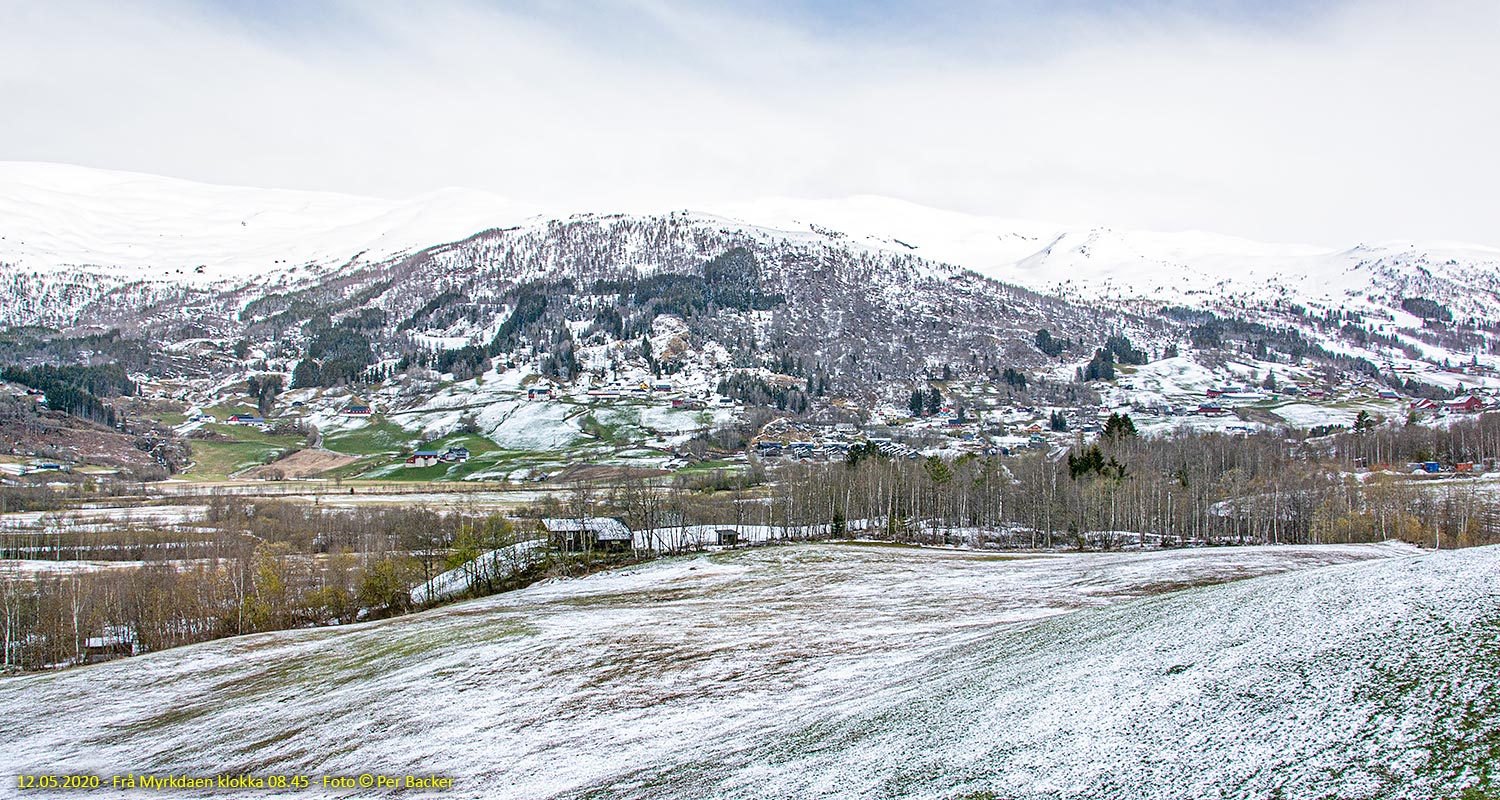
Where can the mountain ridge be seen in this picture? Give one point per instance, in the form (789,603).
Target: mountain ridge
(125,227)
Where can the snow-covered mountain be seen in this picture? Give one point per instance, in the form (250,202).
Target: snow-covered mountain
(142,227)
(1192,268)
(865,293)
(67,225)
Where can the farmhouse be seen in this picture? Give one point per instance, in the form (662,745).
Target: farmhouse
(577,534)
(1467,404)
(423,458)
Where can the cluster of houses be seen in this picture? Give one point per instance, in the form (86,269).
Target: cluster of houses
(1471,402)
(808,441)
(36,396)
(35,466)
(645,390)
(1439,468)
(1463,404)
(427,458)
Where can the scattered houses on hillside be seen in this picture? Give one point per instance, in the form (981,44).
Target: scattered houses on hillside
(457,454)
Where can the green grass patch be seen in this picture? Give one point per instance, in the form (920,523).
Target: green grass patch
(222,459)
(707,466)
(246,433)
(379,437)
(231,407)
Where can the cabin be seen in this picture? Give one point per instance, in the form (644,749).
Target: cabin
(540,393)
(726,537)
(356,411)
(243,419)
(116,641)
(423,458)
(1389,394)
(579,534)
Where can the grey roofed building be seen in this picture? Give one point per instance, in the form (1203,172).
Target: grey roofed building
(587,533)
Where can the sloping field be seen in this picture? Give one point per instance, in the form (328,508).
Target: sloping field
(845,671)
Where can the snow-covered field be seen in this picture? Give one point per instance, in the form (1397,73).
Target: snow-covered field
(844,670)
(104,518)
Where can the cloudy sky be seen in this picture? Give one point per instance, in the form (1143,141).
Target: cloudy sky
(1325,121)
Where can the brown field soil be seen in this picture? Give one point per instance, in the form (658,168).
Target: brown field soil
(301,464)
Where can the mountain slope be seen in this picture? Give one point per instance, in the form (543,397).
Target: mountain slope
(865,298)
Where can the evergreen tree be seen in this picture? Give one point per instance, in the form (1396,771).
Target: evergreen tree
(1119,427)
(1050,345)
(838,529)
(305,374)
(1101,367)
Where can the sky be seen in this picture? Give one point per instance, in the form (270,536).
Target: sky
(1329,122)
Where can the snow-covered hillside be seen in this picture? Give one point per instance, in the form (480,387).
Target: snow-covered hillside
(821,670)
(58,222)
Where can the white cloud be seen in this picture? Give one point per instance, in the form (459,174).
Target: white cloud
(1372,120)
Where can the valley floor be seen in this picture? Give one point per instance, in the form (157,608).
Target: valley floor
(843,670)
